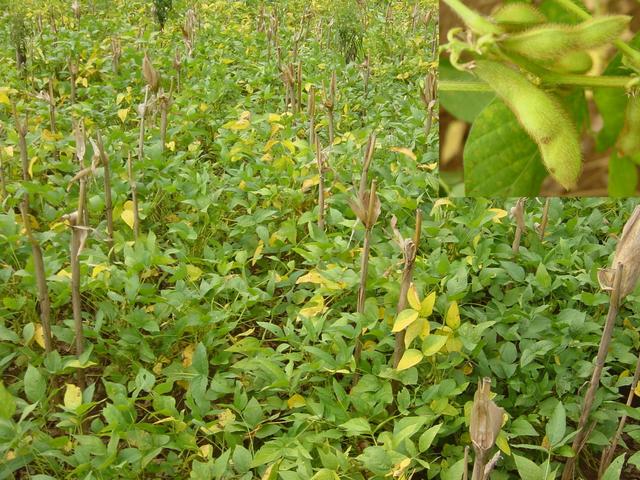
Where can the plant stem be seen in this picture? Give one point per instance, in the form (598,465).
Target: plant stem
(581,437)
(409,253)
(607,453)
(320,162)
(545,218)
(134,198)
(107,190)
(364,270)
(519,218)
(38,261)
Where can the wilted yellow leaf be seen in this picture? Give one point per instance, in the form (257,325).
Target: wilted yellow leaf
(636,390)
(38,335)
(498,214)
(453,316)
(64,273)
(32,162)
(119,98)
(83,81)
(4,98)
(171,145)
(502,443)
(48,136)
(413,298)
(99,268)
(203,107)
(206,451)
(193,272)
(313,307)
(316,277)
(257,254)
(410,358)
(310,182)
(404,319)
(296,401)
(122,114)
(72,396)
(241,124)
(405,151)
(187,355)
(273,117)
(426,307)
(127,213)
(413,331)
(8,151)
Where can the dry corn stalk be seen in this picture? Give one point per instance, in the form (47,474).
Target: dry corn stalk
(38,261)
(428,95)
(329,104)
(165,101)
(484,426)
(98,146)
(518,214)
(627,253)
(321,161)
(150,74)
(73,74)
(367,208)
(189,30)
(116,54)
(177,65)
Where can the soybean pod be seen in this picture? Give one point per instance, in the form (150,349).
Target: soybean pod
(541,116)
(472,19)
(518,16)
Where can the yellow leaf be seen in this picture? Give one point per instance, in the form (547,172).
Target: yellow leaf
(269,145)
(193,272)
(498,214)
(310,182)
(426,328)
(171,145)
(258,253)
(426,307)
(206,451)
(453,316)
(313,307)
(288,144)
(48,136)
(8,151)
(413,298)
(453,344)
(433,344)
(203,107)
(413,331)
(241,124)
(296,401)
(273,117)
(64,273)
(410,358)
(72,397)
(38,335)
(502,443)
(404,151)
(636,390)
(122,114)
(83,81)
(127,213)
(187,355)
(4,99)
(32,162)
(98,269)
(119,98)
(316,277)
(404,319)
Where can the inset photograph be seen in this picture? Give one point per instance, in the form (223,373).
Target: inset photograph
(539,98)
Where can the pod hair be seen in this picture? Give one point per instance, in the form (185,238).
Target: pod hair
(541,116)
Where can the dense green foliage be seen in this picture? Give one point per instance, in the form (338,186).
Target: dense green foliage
(200,359)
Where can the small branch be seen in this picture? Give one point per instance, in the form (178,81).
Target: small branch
(465,470)
(38,260)
(607,453)
(107,190)
(143,112)
(311,112)
(518,214)
(545,218)
(321,170)
(134,198)
(580,438)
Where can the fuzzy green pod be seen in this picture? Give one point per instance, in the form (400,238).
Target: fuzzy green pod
(472,19)
(541,116)
(629,140)
(599,31)
(573,62)
(518,16)
(547,42)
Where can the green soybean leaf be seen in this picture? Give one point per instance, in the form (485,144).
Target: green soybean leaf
(623,176)
(35,385)
(7,403)
(500,159)
(557,425)
(614,470)
(527,469)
